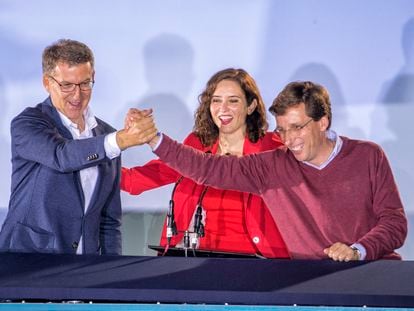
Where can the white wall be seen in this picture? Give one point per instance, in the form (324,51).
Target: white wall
(161,53)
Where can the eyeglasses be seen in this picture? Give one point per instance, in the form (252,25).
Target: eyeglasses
(70,87)
(296,129)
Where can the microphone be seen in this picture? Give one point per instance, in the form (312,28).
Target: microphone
(171,225)
(198,219)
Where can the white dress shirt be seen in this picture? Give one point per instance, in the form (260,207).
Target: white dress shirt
(89,176)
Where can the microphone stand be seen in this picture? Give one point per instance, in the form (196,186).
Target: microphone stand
(171,229)
(198,220)
(186,243)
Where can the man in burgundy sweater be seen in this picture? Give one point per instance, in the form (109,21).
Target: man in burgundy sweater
(331,196)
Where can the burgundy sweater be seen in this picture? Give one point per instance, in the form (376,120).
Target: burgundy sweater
(353,199)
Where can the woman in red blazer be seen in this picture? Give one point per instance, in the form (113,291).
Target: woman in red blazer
(230,120)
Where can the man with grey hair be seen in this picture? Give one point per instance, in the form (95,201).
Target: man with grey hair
(65,195)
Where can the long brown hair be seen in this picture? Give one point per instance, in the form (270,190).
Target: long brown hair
(256,124)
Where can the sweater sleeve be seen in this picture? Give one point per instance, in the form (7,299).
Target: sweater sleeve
(391,229)
(245,174)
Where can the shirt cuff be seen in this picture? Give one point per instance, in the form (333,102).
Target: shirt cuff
(361,249)
(112,149)
(159,134)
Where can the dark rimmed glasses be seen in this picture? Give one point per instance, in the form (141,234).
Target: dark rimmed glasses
(85,86)
(294,130)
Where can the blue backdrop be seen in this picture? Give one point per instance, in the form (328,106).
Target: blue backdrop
(160,54)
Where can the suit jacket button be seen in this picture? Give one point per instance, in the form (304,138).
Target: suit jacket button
(92,157)
(75,245)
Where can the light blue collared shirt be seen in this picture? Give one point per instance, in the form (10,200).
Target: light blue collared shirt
(332,136)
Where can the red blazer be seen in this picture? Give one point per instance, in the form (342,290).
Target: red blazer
(260,226)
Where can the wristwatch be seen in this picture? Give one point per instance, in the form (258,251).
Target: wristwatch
(357,253)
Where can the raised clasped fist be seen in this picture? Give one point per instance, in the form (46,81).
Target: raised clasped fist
(139,128)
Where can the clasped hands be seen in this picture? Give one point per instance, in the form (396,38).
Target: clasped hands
(139,128)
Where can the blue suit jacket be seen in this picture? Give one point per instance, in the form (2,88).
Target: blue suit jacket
(46,208)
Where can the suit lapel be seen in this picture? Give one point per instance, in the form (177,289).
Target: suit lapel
(50,111)
(53,114)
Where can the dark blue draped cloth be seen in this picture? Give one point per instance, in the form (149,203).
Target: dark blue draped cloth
(248,281)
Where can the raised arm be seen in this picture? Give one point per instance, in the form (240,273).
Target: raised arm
(246,174)
(35,137)
(153,174)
